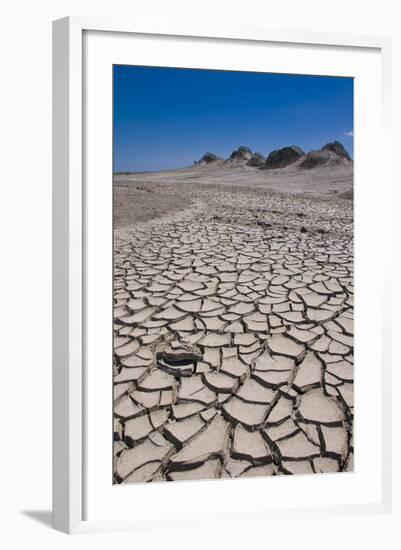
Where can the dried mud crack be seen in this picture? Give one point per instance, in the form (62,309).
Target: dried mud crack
(233,338)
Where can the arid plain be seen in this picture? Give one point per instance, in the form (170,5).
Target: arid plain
(233,318)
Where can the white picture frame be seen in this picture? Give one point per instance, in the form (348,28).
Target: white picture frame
(70,250)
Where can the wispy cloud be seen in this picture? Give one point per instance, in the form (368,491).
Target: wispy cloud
(349,134)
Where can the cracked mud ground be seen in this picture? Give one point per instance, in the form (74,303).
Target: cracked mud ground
(233,334)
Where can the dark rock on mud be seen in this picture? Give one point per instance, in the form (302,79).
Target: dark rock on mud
(241,154)
(338,148)
(257,159)
(280,158)
(331,154)
(208,158)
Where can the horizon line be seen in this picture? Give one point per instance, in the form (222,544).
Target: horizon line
(350,133)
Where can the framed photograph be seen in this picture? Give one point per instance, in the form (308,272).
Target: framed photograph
(219,321)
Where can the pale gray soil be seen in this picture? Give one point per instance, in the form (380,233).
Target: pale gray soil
(233,323)
(141,197)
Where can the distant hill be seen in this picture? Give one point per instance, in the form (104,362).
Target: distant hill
(283,157)
(331,154)
(208,158)
(257,159)
(240,156)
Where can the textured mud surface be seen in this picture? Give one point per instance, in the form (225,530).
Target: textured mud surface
(233,327)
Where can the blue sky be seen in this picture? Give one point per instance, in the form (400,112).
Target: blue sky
(167,118)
